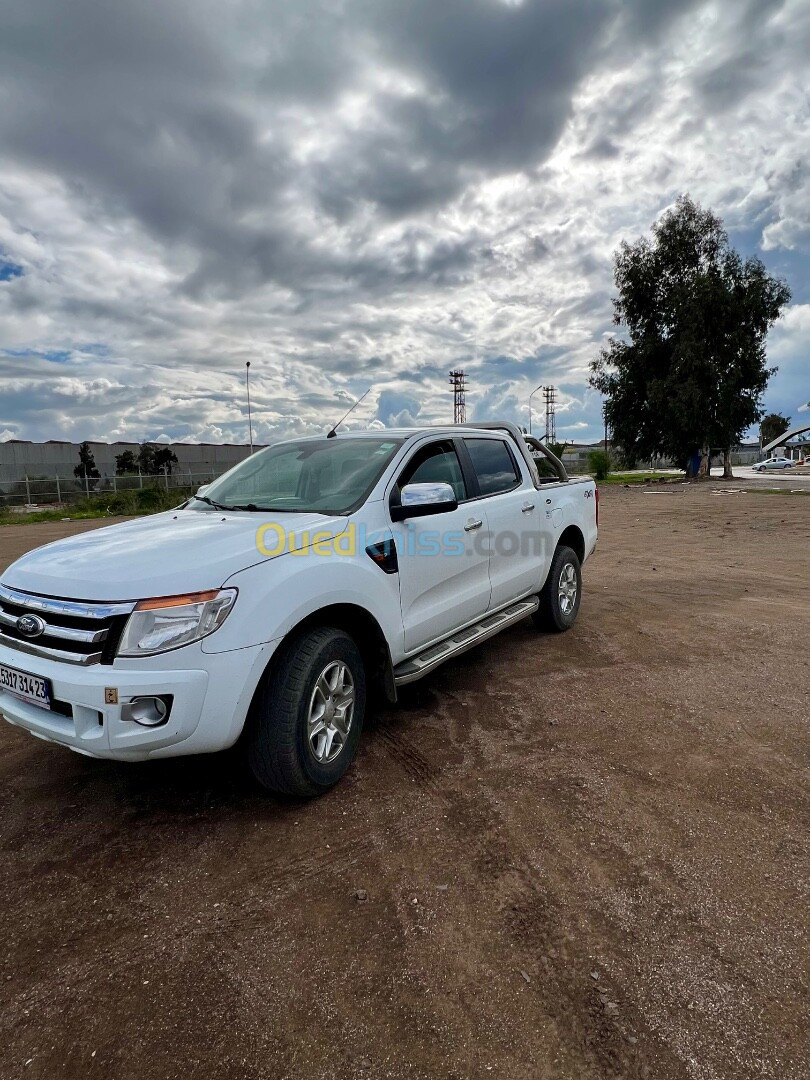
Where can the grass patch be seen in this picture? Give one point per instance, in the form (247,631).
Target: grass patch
(144,501)
(640,478)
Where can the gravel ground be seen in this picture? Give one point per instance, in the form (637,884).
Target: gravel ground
(575,857)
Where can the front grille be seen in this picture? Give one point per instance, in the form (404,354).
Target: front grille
(74,632)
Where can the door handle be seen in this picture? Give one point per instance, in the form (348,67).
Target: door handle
(527,508)
(473,524)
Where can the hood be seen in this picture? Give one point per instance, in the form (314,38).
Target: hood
(181,551)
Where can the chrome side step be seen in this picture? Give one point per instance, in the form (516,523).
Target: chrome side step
(411,670)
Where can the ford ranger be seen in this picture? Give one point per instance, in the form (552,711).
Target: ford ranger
(267,607)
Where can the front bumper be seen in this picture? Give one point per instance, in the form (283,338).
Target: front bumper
(210,700)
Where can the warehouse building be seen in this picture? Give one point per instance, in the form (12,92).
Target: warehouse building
(20,459)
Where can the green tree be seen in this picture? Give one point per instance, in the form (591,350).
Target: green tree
(126,462)
(690,369)
(772,426)
(86,469)
(164,458)
(146,458)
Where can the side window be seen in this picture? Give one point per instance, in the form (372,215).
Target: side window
(545,469)
(494,465)
(436,463)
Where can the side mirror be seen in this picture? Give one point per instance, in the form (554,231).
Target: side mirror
(201,490)
(422,500)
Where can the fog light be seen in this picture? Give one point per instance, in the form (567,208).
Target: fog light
(146,711)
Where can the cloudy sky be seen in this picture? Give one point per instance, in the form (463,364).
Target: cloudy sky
(355,193)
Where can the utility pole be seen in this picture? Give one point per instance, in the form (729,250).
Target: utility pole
(250,421)
(531,395)
(458,380)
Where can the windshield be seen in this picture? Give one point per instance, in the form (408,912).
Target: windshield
(323,476)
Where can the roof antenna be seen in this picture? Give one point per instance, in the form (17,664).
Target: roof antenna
(333,432)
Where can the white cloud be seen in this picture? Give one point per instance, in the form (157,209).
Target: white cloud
(413,188)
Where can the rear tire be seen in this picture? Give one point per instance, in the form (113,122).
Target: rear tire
(308,716)
(562,592)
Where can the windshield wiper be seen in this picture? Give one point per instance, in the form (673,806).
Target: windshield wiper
(216,505)
(254,509)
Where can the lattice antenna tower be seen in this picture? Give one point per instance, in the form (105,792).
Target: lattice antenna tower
(550,398)
(458,380)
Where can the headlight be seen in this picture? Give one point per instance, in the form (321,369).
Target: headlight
(168,622)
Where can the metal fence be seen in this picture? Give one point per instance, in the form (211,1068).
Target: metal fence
(60,490)
(63,487)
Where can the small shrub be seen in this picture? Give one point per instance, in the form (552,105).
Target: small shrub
(121,503)
(149,498)
(152,500)
(599,464)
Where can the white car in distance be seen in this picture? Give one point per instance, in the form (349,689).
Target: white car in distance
(773,463)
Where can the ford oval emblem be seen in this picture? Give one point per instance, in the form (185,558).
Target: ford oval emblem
(30,626)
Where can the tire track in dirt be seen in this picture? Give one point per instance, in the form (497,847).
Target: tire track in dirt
(507,882)
(399,750)
(551,945)
(287,870)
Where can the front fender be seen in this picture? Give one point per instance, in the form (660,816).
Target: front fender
(278,594)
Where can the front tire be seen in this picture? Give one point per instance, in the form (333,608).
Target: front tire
(308,716)
(562,592)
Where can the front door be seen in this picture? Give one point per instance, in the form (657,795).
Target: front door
(443,561)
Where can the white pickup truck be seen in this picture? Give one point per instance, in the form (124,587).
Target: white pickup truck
(266,607)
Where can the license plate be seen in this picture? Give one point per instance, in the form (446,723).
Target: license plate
(28,687)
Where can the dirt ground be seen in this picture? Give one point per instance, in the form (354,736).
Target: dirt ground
(583,856)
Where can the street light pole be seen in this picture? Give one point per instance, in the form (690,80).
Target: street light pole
(250,421)
(531,395)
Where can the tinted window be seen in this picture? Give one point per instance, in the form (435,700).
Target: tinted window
(435,464)
(494,465)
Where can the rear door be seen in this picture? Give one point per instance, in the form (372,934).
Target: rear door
(443,564)
(519,531)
